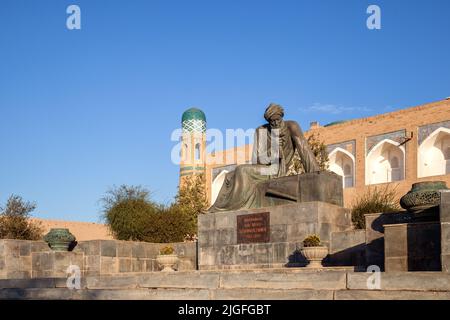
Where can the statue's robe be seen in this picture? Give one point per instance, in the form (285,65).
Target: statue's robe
(244,187)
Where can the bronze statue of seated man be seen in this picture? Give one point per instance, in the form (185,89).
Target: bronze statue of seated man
(274,147)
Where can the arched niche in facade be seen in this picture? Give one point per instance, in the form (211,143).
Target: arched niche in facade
(385,162)
(217,185)
(434,154)
(197,152)
(342,163)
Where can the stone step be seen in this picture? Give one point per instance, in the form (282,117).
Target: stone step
(302,284)
(216,294)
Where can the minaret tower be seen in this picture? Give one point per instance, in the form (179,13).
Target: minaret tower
(193,156)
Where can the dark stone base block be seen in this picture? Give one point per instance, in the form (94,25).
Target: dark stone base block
(412,247)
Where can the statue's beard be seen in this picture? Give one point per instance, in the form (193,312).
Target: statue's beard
(282,125)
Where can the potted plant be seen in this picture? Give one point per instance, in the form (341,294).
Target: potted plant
(313,251)
(167,259)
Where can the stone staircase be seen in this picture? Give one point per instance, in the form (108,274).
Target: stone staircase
(276,284)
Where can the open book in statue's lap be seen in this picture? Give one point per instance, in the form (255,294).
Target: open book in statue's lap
(274,147)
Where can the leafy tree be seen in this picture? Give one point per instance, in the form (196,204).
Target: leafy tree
(15,220)
(167,225)
(191,200)
(319,150)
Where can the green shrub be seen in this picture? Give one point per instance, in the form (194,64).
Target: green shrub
(168,225)
(127,219)
(131,215)
(312,241)
(375,200)
(15,220)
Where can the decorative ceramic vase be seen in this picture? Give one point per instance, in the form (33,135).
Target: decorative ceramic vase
(59,239)
(423,196)
(167,262)
(314,255)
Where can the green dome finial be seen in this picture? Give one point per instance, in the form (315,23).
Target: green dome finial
(194,120)
(193,113)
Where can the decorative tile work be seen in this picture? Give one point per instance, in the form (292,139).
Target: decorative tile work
(349,146)
(397,136)
(425,131)
(194,125)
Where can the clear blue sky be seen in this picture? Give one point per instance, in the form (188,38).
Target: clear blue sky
(83,110)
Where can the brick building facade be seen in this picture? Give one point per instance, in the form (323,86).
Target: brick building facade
(399,148)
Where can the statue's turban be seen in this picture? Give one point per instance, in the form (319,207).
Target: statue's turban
(272,110)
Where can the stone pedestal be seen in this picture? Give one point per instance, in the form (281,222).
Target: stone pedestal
(268,237)
(444,216)
(307,187)
(412,247)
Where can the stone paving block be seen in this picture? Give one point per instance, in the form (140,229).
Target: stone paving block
(25,263)
(445,260)
(2,263)
(137,265)
(419,281)
(186,250)
(390,295)
(347,239)
(25,248)
(92,264)
(62,261)
(151,265)
(396,264)
(124,249)
(207,256)
(445,238)
(27,283)
(42,261)
(108,248)
(329,280)
(225,237)
(396,240)
(225,221)
(112,282)
(278,233)
(62,282)
(12,248)
(91,248)
(444,207)
(113,294)
(179,280)
(124,264)
(183,265)
(109,265)
(138,250)
(206,222)
(151,250)
(38,294)
(261,294)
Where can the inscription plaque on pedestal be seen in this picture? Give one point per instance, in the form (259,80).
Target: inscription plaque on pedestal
(253,228)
